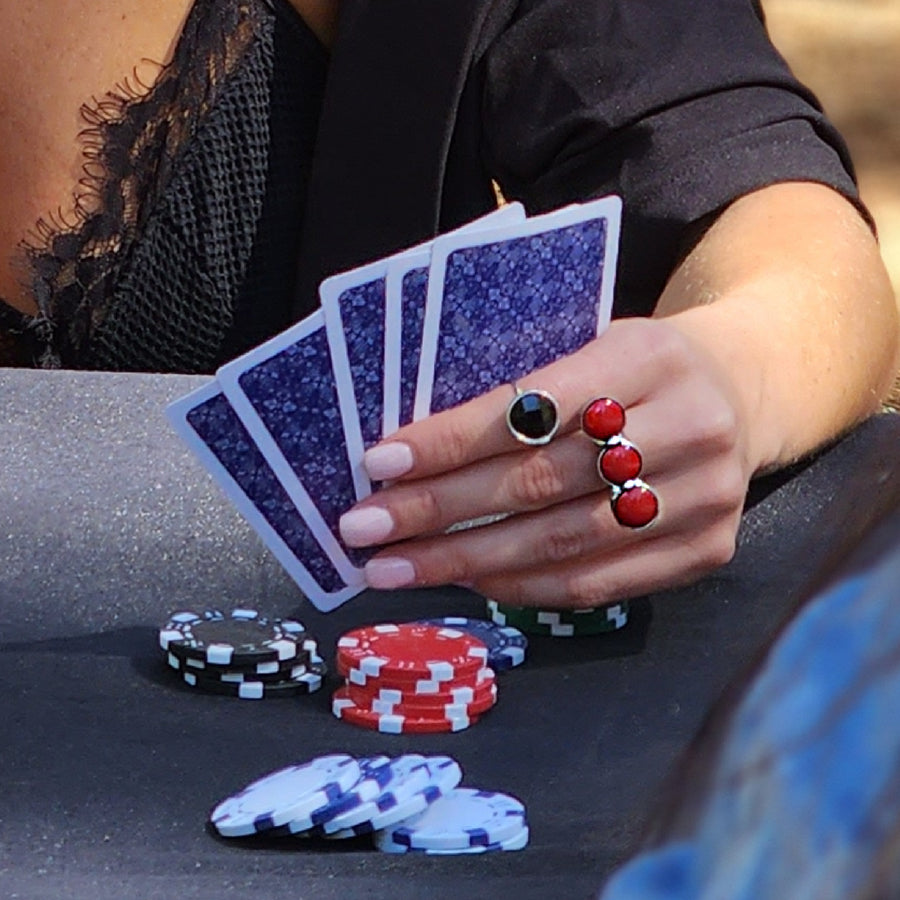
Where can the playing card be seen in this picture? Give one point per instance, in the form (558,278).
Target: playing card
(406,289)
(505,302)
(207,423)
(353,304)
(286,396)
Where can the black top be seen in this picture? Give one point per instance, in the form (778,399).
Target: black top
(678,107)
(187,257)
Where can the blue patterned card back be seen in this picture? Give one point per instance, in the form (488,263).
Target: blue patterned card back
(211,428)
(516,302)
(362,315)
(292,391)
(413,292)
(219,427)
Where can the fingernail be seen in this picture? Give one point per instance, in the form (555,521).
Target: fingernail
(388,461)
(362,527)
(389,572)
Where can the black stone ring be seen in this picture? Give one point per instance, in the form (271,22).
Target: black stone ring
(532,416)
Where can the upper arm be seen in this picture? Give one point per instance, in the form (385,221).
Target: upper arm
(55,56)
(679,107)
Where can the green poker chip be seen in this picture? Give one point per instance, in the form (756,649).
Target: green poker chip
(560,622)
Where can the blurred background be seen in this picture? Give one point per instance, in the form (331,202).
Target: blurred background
(848,52)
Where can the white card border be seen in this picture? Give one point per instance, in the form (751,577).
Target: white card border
(228,377)
(177,413)
(608,208)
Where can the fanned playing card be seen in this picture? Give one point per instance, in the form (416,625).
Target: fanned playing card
(286,395)
(407,286)
(505,302)
(207,423)
(283,428)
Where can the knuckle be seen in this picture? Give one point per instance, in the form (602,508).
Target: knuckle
(719,547)
(562,544)
(452,450)
(666,348)
(421,510)
(449,565)
(538,481)
(726,489)
(718,426)
(586,591)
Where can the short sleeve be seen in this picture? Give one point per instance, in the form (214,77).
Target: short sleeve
(679,107)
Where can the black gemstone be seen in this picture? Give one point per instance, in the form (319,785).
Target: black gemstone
(533,417)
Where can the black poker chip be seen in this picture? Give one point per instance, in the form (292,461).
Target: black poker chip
(239,639)
(261,672)
(307,682)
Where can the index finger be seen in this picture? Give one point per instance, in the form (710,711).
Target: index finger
(477,430)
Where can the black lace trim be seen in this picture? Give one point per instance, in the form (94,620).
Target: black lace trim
(133,139)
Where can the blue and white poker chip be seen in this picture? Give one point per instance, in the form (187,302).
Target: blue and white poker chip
(506,645)
(374,774)
(440,776)
(461,819)
(519,842)
(285,795)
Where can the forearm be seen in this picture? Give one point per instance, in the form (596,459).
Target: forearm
(788,293)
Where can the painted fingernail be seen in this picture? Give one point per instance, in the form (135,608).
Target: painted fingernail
(389,572)
(362,527)
(388,461)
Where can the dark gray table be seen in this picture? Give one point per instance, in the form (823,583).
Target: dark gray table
(109,767)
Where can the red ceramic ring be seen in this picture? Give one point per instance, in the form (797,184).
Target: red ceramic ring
(619,461)
(602,419)
(634,504)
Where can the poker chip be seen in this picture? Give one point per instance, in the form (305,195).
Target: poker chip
(419,782)
(277,672)
(461,819)
(413,678)
(560,623)
(285,795)
(411,650)
(396,723)
(374,775)
(479,704)
(241,638)
(506,645)
(387,696)
(518,842)
(242,654)
(409,804)
(444,774)
(307,681)
(412,684)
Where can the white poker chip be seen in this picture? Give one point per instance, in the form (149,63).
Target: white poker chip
(464,818)
(408,775)
(374,774)
(392,808)
(285,795)
(519,842)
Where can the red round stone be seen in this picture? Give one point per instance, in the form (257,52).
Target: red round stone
(636,506)
(603,418)
(619,463)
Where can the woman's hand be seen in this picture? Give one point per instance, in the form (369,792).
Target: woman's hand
(778,332)
(562,546)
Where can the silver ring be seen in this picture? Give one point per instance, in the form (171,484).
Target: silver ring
(532,416)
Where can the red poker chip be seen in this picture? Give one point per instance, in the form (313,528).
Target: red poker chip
(411,650)
(366,695)
(393,723)
(476,707)
(411,683)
